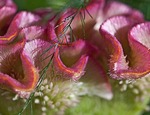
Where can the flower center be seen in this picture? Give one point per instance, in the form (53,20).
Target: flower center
(12,66)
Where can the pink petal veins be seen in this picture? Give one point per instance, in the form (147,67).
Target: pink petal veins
(21,20)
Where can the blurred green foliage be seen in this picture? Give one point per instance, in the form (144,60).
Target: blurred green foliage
(57,5)
(123,103)
(30,4)
(142,5)
(60,5)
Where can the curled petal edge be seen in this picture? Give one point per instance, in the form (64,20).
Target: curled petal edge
(27,84)
(20,21)
(74,72)
(119,68)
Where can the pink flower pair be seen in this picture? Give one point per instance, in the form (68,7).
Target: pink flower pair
(119,49)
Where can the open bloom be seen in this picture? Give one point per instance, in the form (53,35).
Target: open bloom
(128,47)
(17,70)
(23,57)
(27,47)
(70,58)
(85,26)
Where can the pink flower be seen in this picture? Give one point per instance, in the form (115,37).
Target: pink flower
(7,11)
(27,47)
(85,26)
(17,70)
(128,47)
(22,57)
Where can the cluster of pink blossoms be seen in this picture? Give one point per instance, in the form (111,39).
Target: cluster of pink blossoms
(104,40)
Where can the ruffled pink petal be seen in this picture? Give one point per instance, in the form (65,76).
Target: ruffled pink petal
(95,74)
(81,21)
(21,20)
(52,35)
(90,12)
(33,32)
(17,72)
(60,28)
(141,33)
(40,52)
(74,20)
(7,10)
(37,46)
(72,67)
(73,50)
(27,84)
(114,8)
(139,40)
(30,72)
(115,31)
(113,41)
(88,16)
